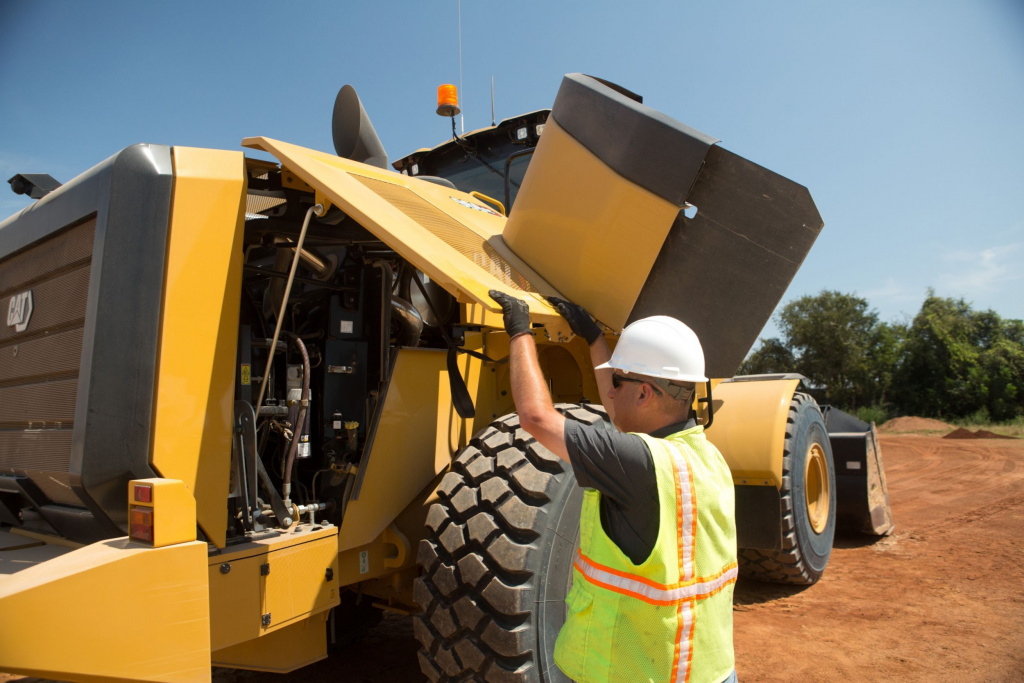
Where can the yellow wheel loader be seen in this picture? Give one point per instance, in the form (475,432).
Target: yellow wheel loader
(246,405)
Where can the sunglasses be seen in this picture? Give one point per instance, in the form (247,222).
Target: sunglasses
(617,381)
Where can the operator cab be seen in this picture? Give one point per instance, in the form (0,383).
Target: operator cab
(490,160)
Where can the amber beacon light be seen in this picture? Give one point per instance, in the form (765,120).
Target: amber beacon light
(447,100)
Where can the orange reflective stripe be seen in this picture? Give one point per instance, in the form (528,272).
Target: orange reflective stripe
(684,639)
(626,575)
(678,649)
(686,532)
(686,514)
(686,624)
(656,594)
(679,519)
(645,580)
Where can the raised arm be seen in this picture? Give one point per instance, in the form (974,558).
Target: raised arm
(600,353)
(537,414)
(584,326)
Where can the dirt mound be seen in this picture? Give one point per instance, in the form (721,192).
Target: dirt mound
(914,424)
(963,433)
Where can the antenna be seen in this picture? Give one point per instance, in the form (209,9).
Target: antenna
(492,100)
(462,117)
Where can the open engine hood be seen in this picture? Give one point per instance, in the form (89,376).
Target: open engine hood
(453,237)
(624,211)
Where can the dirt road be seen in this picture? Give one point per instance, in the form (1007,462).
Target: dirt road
(942,599)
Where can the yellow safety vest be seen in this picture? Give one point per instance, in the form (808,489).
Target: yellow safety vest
(669,618)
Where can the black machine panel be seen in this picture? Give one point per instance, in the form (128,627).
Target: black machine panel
(81,278)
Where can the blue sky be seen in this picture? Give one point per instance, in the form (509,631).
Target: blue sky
(905,119)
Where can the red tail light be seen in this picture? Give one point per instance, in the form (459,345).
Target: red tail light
(141,519)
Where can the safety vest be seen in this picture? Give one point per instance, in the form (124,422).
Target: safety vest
(669,618)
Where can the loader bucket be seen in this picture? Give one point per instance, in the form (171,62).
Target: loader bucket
(862,497)
(630,213)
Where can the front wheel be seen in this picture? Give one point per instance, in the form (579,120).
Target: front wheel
(808,503)
(497,559)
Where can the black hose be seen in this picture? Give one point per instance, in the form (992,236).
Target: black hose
(301,420)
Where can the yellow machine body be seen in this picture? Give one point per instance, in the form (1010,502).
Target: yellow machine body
(749,428)
(121,610)
(199,327)
(271,584)
(169,609)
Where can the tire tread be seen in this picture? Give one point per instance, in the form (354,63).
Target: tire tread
(492,507)
(787,566)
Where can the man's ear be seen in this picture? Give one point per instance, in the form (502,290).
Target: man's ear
(645,395)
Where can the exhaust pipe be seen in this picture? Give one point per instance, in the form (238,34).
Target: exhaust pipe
(354,135)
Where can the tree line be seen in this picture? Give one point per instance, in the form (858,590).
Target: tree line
(949,362)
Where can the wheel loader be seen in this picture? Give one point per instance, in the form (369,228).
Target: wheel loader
(247,405)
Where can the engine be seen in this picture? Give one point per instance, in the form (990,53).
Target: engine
(319,325)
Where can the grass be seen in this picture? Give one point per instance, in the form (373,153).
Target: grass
(876,414)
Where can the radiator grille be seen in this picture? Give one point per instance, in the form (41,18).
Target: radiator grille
(39,366)
(452,232)
(68,248)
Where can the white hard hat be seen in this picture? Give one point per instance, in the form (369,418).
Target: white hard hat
(659,346)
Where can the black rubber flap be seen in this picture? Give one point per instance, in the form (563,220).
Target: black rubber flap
(725,270)
(838,421)
(649,148)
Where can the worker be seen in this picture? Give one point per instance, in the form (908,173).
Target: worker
(651,597)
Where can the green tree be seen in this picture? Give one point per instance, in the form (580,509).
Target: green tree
(836,341)
(884,353)
(957,362)
(770,356)
(841,347)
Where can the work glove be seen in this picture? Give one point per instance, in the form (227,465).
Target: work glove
(516,313)
(579,320)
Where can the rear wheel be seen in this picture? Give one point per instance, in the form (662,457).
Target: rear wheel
(497,558)
(808,503)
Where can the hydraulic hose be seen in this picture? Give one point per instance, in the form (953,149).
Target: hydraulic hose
(317,209)
(286,487)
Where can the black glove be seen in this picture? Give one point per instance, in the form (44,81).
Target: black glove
(579,320)
(516,312)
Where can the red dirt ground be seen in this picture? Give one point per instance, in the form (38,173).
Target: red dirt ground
(941,599)
(964,433)
(899,425)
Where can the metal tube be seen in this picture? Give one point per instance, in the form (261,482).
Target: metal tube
(315,263)
(317,209)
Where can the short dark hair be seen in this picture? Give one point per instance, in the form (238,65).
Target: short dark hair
(680,391)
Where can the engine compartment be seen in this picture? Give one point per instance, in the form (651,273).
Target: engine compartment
(352,302)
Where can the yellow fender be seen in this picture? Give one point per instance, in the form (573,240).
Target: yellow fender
(749,429)
(114,610)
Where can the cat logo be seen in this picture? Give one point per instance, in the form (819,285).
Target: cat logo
(19,310)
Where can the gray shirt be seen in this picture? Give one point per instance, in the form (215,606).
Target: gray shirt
(621,468)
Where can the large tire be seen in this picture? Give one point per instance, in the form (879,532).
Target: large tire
(808,503)
(497,558)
